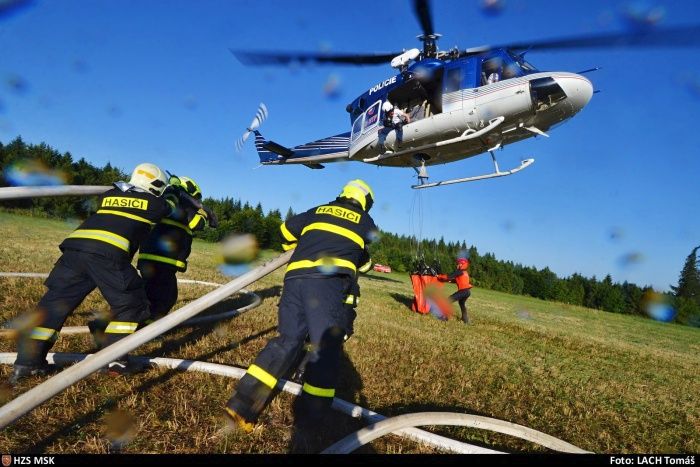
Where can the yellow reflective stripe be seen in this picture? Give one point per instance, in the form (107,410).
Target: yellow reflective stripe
(176,224)
(326,227)
(263,376)
(352,300)
(121,327)
(124,214)
(323,262)
(365,267)
(103,236)
(315,391)
(162,259)
(195,220)
(288,246)
(42,334)
(287,234)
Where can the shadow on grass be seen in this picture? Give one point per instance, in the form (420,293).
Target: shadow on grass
(403,299)
(309,438)
(373,277)
(269,292)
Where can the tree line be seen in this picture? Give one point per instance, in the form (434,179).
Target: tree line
(21,162)
(398,251)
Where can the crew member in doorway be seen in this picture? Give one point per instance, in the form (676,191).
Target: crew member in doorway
(461,277)
(394,119)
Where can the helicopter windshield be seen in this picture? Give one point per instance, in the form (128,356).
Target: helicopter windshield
(502,65)
(524,65)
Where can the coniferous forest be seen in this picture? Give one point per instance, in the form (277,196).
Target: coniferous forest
(45,165)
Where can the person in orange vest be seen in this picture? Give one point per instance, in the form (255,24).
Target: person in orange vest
(461,277)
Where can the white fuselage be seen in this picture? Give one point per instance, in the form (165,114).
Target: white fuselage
(469,110)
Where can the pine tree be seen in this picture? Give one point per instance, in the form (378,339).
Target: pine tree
(688,291)
(689,280)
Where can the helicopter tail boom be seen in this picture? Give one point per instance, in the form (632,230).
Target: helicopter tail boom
(269,151)
(330,149)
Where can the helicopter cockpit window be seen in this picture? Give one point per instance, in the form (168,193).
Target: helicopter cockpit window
(357,128)
(356,112)
(453,80)
(491,70)
(524,65)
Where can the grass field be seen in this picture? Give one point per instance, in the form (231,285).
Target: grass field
(604,382)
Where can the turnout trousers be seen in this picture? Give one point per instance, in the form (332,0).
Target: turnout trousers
(160,285)
(74,276)
(461,297)
(313,306)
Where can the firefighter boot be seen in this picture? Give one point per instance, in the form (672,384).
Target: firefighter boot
(97,330)
(31,359)
(239,422)
(20,372)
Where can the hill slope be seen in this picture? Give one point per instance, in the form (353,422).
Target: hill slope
(604,382)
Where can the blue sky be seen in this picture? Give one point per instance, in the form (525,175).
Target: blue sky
(614,190)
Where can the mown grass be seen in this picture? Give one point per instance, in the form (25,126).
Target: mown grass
(604,382)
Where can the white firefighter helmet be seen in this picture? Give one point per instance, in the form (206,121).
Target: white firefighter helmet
(150,178)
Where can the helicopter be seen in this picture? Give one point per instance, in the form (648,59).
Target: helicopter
(459,103)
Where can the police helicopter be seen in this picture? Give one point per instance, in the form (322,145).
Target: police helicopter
(457,103)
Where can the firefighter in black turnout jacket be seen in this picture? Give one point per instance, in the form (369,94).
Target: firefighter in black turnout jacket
(330,242)
(167,248)
(98,254)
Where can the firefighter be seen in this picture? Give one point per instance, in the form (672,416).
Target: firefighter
(98,254)
(330,242)
(461,277)
(352,299)
(167,248)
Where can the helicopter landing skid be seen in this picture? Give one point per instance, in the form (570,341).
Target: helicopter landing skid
(423,174)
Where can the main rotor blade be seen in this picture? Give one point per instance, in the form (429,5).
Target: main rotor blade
(286,58)
(684,36)
(422,11)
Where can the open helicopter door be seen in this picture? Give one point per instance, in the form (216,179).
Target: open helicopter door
(365,128)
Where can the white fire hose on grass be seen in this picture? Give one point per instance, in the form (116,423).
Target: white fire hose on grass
(87,364)
(402,425)
(381,428)
(39,394)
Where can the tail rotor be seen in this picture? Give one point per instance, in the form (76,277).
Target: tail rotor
(260,116)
